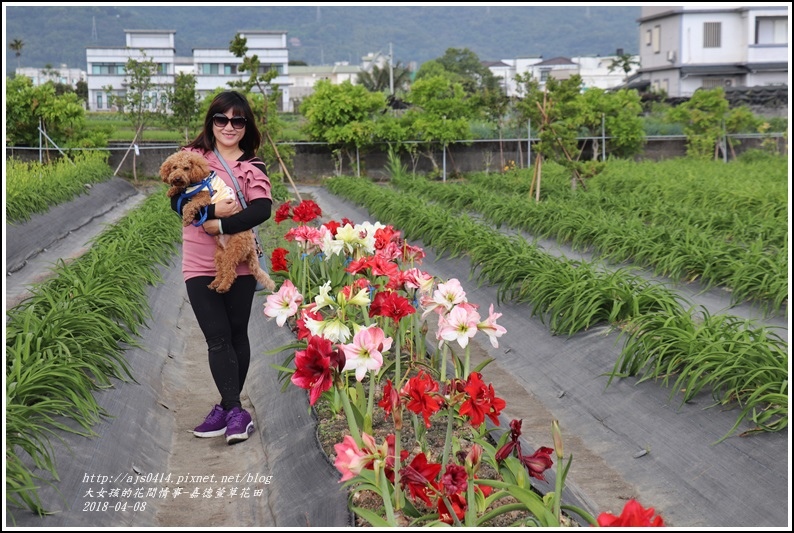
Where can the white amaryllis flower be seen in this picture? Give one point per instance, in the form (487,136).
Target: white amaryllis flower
(323,299)
(491,328)
(330,244)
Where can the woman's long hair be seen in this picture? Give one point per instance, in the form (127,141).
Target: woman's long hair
(239,105)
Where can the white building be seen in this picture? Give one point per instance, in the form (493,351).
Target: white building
(213,67)
(684,48)
(594,71)
(303,78)
(61,74)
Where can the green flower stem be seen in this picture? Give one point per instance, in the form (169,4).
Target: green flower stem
(370,404)
(305,273)
(398,493)
(448,438)
(397,350)
(444,363)
(451,510)
(384,487)
(557,493)
(466,362)
(351,419)
(471,508)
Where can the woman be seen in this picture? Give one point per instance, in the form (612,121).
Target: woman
(229,127)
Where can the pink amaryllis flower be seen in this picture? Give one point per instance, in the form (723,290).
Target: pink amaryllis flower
(633,515)
(460,324)
(491,328)
(350,459)
(444,298)
(314,367)
(284,303)
(308,237)
(366,351)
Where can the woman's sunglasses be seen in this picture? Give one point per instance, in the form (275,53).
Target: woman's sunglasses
(221,120)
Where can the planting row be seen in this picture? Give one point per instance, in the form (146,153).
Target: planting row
(737,361)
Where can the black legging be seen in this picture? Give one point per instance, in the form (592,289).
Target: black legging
(223,319)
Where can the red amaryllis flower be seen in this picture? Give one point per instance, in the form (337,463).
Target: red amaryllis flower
(391,398)
(332,226)
(513,443)
(538,462)
(454,480)
(300,323)
(314,367)
(392,305)
(384,236)
(458,504)
(282,213)
(306,211)
(423,397)
(418,476)
(278,260)
(633,515)
(481,401)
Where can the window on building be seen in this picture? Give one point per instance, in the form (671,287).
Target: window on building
(656,39)
(771,30)
(108,68)
(99,101)
(665,86)
(648,38)
(544,74)
(162,68)
(712,34)
(208,68)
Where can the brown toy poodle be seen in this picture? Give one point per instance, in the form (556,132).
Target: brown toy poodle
(185,170)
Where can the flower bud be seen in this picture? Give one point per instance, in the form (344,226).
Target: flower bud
(557,438)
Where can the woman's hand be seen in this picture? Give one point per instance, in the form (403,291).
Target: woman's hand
(211,226)
(226,208)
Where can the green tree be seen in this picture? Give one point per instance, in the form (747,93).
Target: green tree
(183,100)
(624,62)
(439,114)
(381,80)
(552,112)
(462,66)
(81,88)
(622,122)
(17,45)
(139,103)
(342,115)
(703,118)
(267,106)
(62,117)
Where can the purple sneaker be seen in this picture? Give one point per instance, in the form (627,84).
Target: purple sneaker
(214,425)
(238,425)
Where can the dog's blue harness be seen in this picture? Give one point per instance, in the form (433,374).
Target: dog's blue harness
(193,190)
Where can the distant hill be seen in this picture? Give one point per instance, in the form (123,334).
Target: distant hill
(326,34)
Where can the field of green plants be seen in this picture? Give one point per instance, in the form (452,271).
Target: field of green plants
(725,225)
